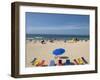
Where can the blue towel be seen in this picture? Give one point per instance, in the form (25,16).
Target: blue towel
(52,63)
(67,62)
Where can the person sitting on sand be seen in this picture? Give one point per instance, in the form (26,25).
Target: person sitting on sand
(51,41)
(43,42)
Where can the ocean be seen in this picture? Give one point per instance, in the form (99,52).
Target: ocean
(56,37)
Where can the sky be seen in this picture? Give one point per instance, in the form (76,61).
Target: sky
(63,24)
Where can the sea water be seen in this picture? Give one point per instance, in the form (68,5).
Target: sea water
(56,37)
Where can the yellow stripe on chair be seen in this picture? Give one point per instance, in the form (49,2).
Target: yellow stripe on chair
(37,62)
(80,61)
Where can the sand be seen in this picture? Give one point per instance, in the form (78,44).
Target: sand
(74,50)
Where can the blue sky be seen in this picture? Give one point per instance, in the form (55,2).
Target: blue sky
(67,24)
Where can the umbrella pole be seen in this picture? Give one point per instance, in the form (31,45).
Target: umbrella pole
(56,59)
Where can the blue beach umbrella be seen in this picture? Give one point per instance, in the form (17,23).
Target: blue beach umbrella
(58,51)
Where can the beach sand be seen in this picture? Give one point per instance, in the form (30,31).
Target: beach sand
(74,50)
